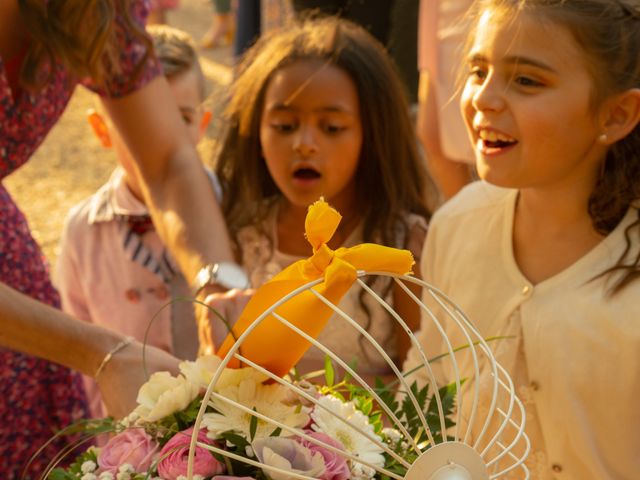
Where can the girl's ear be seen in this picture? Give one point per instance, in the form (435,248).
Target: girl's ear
(621,115)
(99,127)
(204,121)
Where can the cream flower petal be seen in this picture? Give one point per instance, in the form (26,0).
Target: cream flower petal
(353,441)
(265,399)
(163,395)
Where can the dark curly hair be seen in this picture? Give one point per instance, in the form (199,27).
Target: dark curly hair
(391,177)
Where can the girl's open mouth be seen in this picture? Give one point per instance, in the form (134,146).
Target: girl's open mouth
(490,141)
(306,174)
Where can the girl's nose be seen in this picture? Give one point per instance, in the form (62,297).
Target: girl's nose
(305,143)
(489,95)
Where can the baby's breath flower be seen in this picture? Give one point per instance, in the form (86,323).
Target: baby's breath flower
(105,476)
(392,435)
(126,468)
(362,472)
(130,420)
(89,476)
(88,466)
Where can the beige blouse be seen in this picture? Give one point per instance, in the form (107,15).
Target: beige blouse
(574,352)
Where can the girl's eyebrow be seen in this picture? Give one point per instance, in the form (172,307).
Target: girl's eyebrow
(520,60)
(287,107)
(515,60)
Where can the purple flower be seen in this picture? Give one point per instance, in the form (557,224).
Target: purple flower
(288,455)
(336,466)
(132,446)
(175,455)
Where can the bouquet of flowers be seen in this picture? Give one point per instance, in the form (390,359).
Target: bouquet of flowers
(261,422)
(255,429)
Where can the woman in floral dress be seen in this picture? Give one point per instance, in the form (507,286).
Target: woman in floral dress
(38,73)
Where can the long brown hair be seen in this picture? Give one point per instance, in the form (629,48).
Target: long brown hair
(391,180)
(609,33)
(79,35)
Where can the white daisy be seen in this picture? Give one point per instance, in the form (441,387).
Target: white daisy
(265,399)
(354,442)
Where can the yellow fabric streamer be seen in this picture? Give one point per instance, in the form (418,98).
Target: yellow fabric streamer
(274,345)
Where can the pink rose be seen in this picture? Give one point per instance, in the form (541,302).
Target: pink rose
(336,467)
(133,446)
(175,455)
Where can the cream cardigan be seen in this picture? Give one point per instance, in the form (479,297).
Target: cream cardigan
(582,349)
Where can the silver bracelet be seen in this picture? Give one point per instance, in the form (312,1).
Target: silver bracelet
(110,355)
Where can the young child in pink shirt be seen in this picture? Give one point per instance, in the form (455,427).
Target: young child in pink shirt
(113,269)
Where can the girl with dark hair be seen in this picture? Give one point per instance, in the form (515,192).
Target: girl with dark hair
(546,249)
(317,110)
(46,49)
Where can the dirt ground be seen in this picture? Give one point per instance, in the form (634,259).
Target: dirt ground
(70,165)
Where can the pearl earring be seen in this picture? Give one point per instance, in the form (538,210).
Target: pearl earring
(603,138)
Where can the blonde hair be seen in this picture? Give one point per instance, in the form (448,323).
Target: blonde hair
(176,52)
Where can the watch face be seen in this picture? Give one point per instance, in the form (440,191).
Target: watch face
(230,275)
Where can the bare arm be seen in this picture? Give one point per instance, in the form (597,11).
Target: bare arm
(34,328)
(449,175)
(174,183)
(181,200)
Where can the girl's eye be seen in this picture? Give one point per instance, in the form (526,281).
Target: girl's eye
(283,127)
(333,128)
(187,119)
(524,81)
(478,73)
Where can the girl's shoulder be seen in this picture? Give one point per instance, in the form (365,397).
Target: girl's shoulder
(475,199)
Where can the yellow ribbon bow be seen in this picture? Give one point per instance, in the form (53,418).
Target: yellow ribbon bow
(274,345)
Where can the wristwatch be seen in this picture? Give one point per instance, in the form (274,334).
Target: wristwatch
(228,275)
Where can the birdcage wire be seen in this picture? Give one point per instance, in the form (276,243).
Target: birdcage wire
(475,457)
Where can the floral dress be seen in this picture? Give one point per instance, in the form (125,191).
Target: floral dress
(37,397)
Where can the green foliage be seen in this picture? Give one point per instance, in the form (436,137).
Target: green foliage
(75,469)
(166,428)
(238,444)
(329,373)
(403,408)
(253,426)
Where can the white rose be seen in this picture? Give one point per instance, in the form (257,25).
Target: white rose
(233,377)
(163,395)
(201,371)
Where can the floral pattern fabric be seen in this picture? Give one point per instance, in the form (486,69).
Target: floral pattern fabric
(38,398)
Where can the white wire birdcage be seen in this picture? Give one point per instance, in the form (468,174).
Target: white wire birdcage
(487,440)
